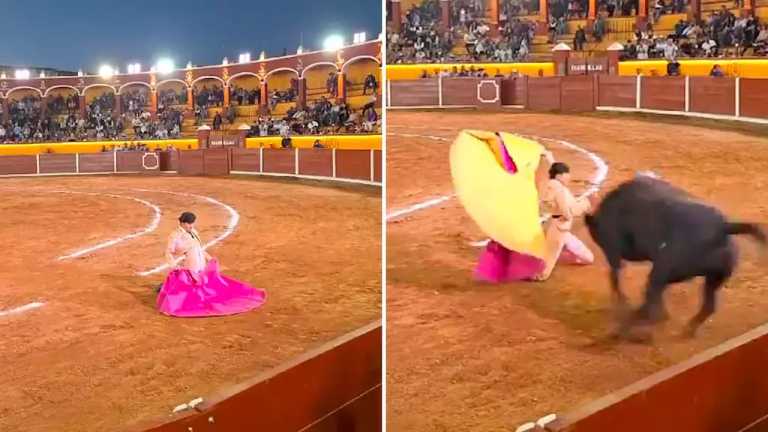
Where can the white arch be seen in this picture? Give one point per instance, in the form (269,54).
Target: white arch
(119,90)
(77,92)
(209,76)
(9,91)
(355,59)
(98,85)
(282,69)
(239,74)
(184,83)
(314,65)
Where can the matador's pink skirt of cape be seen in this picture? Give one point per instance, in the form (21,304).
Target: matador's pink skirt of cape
(498,264)
(206,293)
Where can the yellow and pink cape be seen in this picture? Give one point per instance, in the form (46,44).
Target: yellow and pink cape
(504,205)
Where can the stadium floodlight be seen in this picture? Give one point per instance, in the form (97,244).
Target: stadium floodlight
(333,43)
(359,37)
(244,58)
(22,74)
(3,75)
(225,61)
(79,72)
(106,71)
(189,65)
(42,74)
(165,66)
(263,56)
(300,50)
(134,68)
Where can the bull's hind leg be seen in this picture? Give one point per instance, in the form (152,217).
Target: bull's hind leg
(720,264)
(712,283)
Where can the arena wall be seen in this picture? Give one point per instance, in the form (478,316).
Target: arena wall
(352,166)
(728,382)
(744,68)
(336,387)
(414,71)
(342,142)
(91,146)
(743,99)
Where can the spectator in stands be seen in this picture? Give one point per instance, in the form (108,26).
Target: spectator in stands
(673,68)
(716,71)
(761,41)
(579,39)
(598,29)
(217,121)
(370,83)
(317,144)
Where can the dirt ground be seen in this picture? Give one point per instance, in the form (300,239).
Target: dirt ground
(98,356)
(466,356)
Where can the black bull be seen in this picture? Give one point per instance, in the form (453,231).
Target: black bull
(647,219)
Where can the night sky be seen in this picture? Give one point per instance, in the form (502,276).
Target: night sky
(84,34)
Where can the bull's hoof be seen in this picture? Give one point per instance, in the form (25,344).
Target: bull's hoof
(622,311)
(689,332)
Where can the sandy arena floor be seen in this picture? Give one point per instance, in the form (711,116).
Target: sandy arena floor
(98,356)
(463,356)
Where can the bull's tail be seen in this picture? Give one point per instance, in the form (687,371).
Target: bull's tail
(754,230)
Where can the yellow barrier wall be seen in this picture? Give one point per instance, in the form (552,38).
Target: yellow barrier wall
(746,68)
(409,72)
(344,142)
(89,147)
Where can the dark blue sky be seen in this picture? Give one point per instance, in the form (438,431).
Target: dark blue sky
(86,33)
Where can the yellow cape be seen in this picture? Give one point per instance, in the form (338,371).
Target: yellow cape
(504,205)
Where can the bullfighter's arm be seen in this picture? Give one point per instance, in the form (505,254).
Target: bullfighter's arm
(170,248)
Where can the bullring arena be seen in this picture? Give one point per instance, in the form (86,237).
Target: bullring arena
(84,346)
(493,357)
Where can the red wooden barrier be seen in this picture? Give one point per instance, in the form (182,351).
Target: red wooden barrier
(720,390)
(713,95)
(617,91)
(336,387)
(662,93)
(753,94)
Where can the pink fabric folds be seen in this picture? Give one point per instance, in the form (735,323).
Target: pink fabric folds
(498,264)
(206,293)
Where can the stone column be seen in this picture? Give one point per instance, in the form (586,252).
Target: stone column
(341,91)
(226,95)
(153,103)
(301,97)
(264,97)
(203,134)
(543,22)
(560,54)
(397,15)
(118,105)
(445,15)
(81,107)
(6,114)
(190,99)
(614,52)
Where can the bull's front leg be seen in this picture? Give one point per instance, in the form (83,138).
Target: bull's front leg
(652,310)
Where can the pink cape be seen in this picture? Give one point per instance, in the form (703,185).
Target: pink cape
(207,293)
(498,264)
